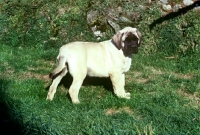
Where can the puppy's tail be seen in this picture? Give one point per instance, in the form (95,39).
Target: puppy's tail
(60,67)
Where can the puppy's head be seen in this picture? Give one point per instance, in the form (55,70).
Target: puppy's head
(127,39)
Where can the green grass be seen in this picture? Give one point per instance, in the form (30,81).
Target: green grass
(163,101)
(164,78)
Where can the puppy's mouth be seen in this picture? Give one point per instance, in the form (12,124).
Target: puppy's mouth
(135,50)
(131,49)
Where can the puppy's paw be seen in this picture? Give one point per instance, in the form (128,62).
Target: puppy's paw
(49,97)
(75,101)
(127,95)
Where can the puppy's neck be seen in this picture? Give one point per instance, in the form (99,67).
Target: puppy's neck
(118,47)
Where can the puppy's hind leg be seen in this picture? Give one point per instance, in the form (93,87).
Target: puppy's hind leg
(54,85)
(78,75)
(74,90)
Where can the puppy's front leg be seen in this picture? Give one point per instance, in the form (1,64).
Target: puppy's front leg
(118,81)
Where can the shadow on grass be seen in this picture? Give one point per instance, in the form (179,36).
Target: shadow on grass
(8,126)
(88,81)
(174,14)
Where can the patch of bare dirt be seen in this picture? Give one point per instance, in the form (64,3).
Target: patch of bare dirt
(193,98)
(155,71)
(182,76)
(113,111)
(177,75)
(142,80)
(136,77)
(9,70)
(136,74)
(32,71)
(28,75)
(50,63)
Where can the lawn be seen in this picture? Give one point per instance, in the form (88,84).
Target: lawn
(163,101)
(164,87)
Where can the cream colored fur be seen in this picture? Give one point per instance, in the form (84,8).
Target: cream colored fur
(103,59)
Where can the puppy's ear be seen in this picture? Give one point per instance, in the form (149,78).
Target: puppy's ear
(117,40)
(139,35)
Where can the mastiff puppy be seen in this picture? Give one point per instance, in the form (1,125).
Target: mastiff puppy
(111,58)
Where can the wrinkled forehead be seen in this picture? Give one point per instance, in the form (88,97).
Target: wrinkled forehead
(127,31)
